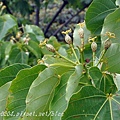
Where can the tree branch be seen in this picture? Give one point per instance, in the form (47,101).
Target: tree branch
(7,8)
(57,13)
(37,16)
(58,30)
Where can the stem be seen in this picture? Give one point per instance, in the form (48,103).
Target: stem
(83,61)
(103,53)
(93,58)
(74,53)
(82,57)
(57,64)
(82,50)
(66,58)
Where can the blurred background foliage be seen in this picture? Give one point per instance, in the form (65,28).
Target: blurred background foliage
(52,16)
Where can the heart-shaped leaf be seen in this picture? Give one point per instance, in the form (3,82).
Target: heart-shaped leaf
(102,81)
(92,104)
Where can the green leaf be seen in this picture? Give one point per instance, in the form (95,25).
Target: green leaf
(6,23)
(111,61)
(92,104)
(112,24)
(96,14)
(3,98)
(59,102)
(102,81)
(18,56)
(41,93)
(35,32)
(9,73)
(19,89)
(34,48)
(73,81)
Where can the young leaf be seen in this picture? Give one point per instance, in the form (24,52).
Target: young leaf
(19,89)
(40,95)
(92,104)
(96,14)
(9,73)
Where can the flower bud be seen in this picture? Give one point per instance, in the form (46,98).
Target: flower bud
(50,47)
(81,32)
(68,39)
(18,35)
(1,3)
(107,44)
(3,7)
(94,46)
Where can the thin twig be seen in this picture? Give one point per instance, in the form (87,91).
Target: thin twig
(7,8)
(58,30)
(37,16)
(57,13)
